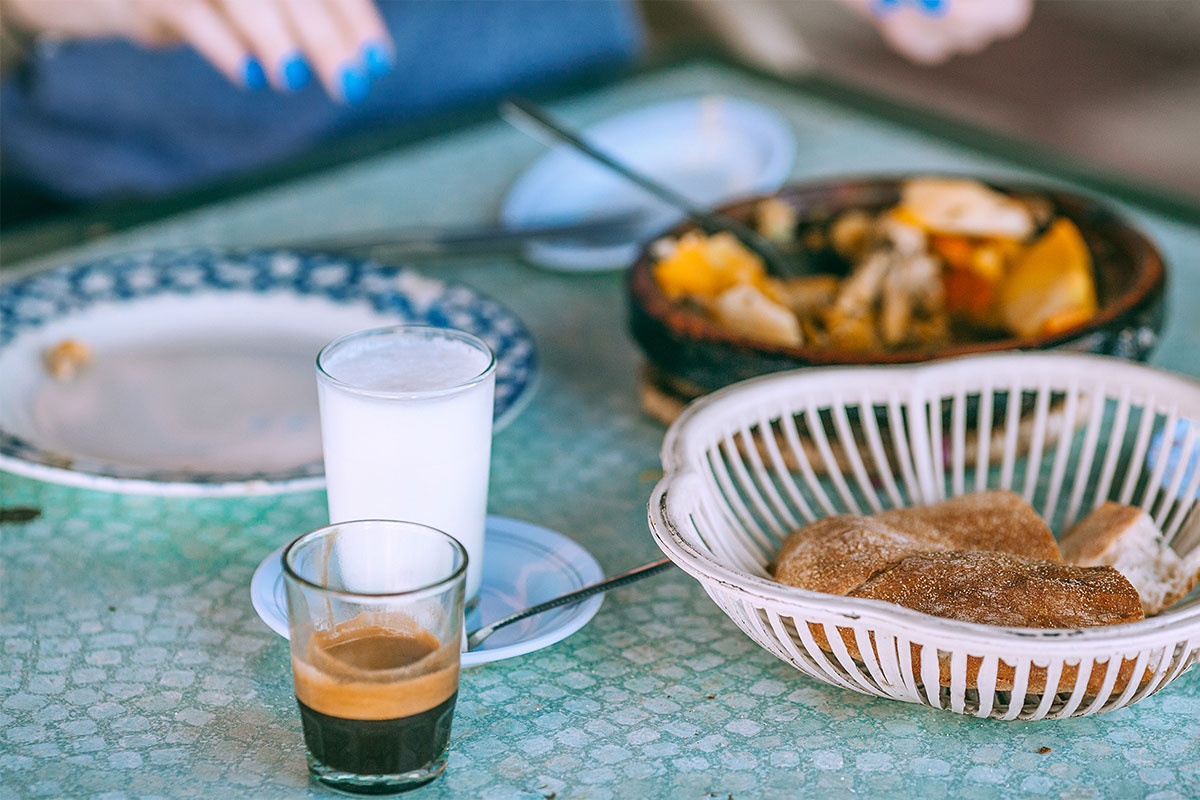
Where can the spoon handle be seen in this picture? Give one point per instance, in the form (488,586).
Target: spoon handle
(476,637)
(531,118)
(520,112)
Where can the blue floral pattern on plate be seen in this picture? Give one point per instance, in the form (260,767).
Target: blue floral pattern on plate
(402,294)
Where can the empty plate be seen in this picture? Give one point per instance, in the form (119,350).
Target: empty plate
(709,149)
(202,379)
(524,564)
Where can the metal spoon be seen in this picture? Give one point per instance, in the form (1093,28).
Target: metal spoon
(533,119)
(439,242)
(476,637)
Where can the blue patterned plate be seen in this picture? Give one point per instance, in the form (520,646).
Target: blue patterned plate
(202,377)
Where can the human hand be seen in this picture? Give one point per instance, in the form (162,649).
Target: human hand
(252,42)
(931,31)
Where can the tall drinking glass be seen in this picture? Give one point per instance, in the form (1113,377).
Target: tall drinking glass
(406,423)
(375,659)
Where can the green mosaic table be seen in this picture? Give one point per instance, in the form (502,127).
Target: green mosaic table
(132,663)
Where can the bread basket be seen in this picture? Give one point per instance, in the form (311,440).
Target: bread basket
(746,465)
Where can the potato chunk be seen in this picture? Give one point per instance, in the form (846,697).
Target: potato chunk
(744,309)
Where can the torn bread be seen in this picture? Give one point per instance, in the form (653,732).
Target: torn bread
(1000,589)
(1126,538)
(837,554)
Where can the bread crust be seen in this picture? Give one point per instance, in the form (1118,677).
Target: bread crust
(1001,589)
(1126,537)
(1088,540)
(837,554)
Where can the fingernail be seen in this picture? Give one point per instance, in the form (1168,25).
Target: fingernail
(378,59)
(931,8)
(355,85)
(296,73)
(253,75)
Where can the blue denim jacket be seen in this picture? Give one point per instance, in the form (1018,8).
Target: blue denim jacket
(94,119)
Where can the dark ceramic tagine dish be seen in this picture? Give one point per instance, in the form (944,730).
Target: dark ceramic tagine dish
(689,354)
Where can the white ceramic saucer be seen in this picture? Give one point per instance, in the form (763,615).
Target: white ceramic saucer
(524,564)
(710,149)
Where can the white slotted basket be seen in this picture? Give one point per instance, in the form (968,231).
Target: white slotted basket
(748,464)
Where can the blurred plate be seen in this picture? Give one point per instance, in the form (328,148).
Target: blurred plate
(709,149)
(524,564)
(203,373)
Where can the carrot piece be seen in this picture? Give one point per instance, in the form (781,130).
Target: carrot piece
(957,251)
(967,293)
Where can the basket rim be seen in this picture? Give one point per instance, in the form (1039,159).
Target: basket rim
(1144,634)
(675,445)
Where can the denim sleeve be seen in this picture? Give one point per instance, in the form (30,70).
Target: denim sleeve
(94,119)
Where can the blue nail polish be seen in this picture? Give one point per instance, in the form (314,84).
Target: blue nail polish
(378,59)
(355,85)
(296,73)
(932,8)
(253,75)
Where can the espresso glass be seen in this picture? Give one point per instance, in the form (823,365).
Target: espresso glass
(375,651)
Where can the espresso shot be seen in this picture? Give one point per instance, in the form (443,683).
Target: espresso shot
(376,701)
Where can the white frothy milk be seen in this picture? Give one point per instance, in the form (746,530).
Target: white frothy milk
(406,423)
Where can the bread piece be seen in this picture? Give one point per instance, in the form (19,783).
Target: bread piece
(1126,538)
(66,358)
(996,520)
(976,537)
(1001,589)
(837,554)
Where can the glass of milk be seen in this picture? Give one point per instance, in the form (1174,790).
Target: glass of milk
(406,424)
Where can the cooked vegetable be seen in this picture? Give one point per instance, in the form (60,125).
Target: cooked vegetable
(777,220)
(806,296)
(745,310)
(705,266)
(852,234)
(968,208)
(1049,287)
(950,262)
